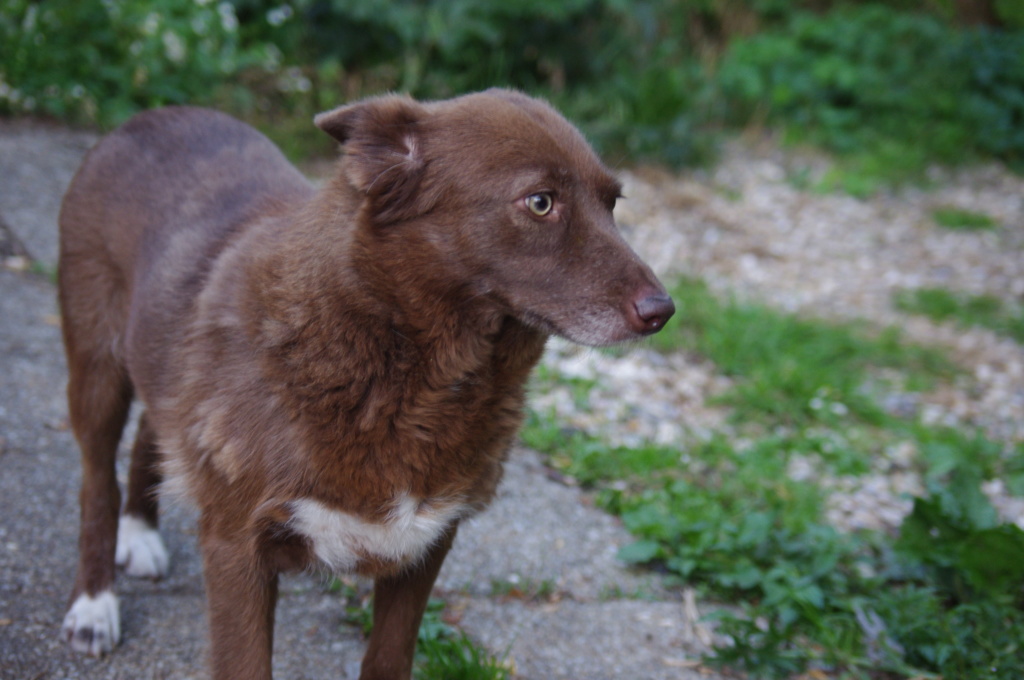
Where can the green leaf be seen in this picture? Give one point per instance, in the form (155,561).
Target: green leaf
(1015,483)
(928,535)
(966,504)
(993,559)
(640,552)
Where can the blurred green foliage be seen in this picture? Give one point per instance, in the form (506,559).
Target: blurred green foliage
(102,60)
(870,79)
(891,86)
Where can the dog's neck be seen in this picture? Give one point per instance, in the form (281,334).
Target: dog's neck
(357,289)
(364,360)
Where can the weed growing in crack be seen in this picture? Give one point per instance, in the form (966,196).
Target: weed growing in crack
(443,652)
(530,590)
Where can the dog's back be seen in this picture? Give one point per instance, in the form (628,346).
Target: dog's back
(160,196)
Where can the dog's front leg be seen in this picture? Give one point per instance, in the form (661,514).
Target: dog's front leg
(398,605)
(241,593)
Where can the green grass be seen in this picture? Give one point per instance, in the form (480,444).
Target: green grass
(962,220)
(456,657)
(941,304)
(881,164)
(940,598)
(790,370)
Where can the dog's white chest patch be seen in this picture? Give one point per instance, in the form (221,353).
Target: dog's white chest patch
(341,539)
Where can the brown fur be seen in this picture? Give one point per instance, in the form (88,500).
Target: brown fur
(348,345)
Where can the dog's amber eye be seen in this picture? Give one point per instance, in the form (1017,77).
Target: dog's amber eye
(540,204)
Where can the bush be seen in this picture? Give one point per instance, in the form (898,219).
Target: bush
(616,68)
(102,60)
(651,80)
(869,79)
(438,49)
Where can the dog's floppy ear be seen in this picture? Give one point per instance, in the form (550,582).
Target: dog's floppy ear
(384,154)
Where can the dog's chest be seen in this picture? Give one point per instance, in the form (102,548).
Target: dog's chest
(341,541)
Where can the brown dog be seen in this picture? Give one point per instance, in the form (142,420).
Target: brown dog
(334,377)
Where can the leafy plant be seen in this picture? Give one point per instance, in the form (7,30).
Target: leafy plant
(956,533)
(890,91)
(442,651)
(955,530)
(729,519)
(456,657)
(445,653)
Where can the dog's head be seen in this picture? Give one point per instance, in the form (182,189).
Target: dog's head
(505,197)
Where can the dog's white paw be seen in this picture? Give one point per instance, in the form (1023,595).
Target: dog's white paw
(93,624)
(140,550)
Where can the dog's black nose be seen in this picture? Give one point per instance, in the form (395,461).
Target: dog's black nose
(653,311)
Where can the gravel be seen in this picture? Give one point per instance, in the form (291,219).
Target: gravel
(747,229)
